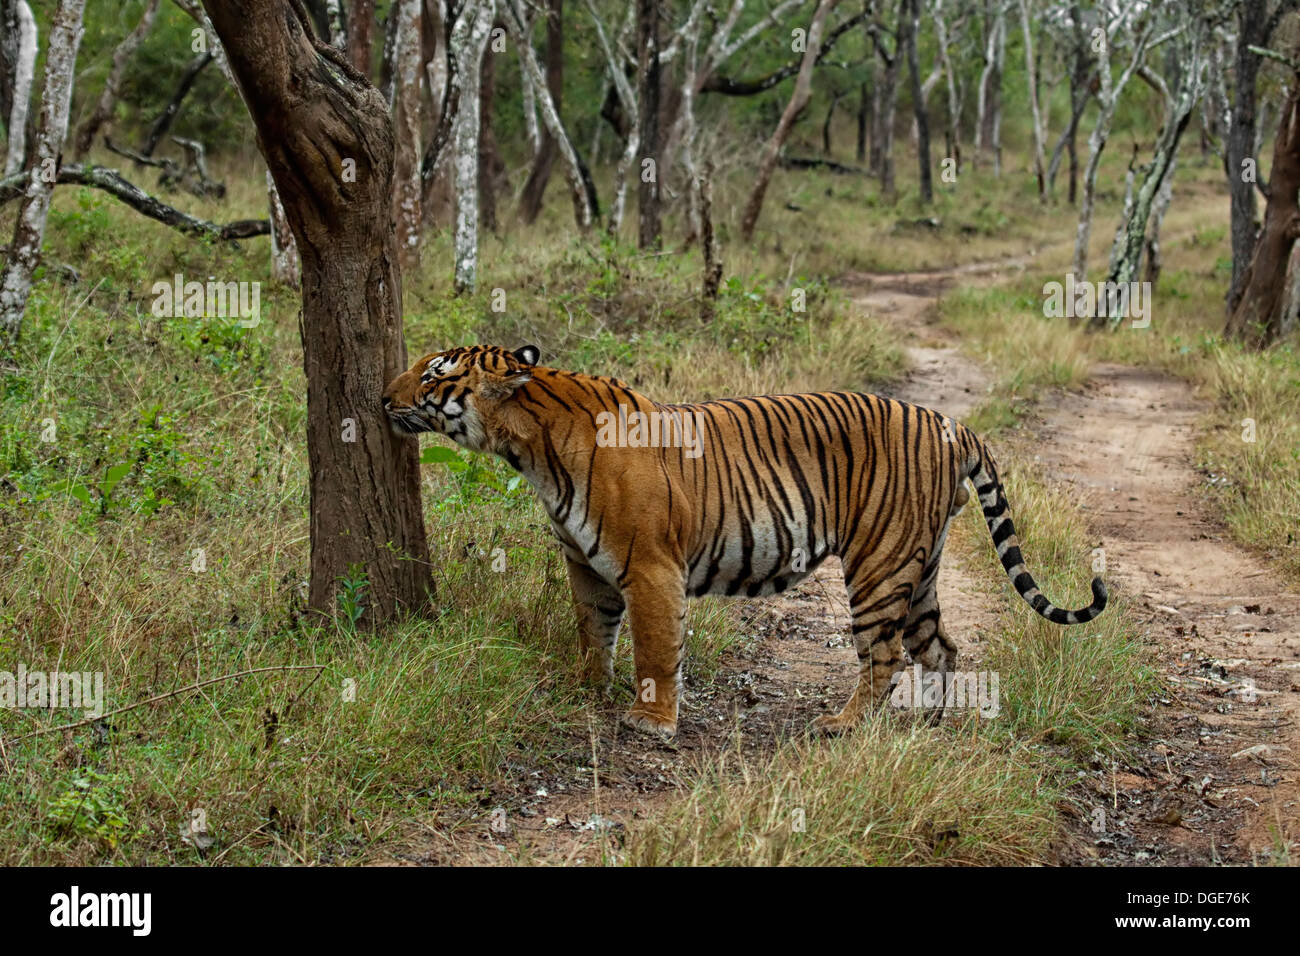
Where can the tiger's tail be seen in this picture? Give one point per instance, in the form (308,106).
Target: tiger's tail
(993,500)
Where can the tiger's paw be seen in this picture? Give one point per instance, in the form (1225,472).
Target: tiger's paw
(832,725)
(651,724)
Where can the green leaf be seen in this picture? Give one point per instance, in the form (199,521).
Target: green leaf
(112,477)
(439,455)
(80,492)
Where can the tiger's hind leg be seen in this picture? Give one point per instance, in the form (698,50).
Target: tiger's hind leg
(599,608)
(879,609)
(924,637)
(928,645)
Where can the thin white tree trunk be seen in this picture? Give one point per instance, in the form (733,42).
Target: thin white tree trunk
(798,100)
(285,266)
(1107,99)
(550,118)
(627,97)
(25,250)
(952,132)
(338,29)
(405,107)
(984,123)
(1035,115)
(113,83)
(531,127)
(24,74)
(469,39)
(695,191)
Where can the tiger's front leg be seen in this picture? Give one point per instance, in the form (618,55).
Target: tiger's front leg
(656,603)
(599,609)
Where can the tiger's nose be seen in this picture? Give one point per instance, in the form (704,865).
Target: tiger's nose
(387,401)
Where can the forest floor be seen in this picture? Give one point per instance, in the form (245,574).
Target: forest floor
(1213,779)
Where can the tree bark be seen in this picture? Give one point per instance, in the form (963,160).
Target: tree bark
(469,39)
(1079,96)
(25,250)
(864,118)
(988,124)
(327,139)
(112,85)
(886,101)
(361,25)
(491,168)
(626,97)
(1107,99)
(647,98)
(530,200)
(583,189)
(909,22)
(1255,23)
(23,41)
(1035,115)
(1260,316)
(404,104)
(1179,103)
(952,130)
(798,100)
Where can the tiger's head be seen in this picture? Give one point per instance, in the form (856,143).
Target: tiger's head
(462,393)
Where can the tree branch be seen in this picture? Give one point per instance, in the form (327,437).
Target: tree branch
(729,87)
(111,181)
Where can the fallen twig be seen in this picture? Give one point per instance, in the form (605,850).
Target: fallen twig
(170,693)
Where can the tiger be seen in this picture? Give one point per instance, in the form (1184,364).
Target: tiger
(738,496)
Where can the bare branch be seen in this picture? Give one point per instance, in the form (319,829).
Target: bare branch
(111,181)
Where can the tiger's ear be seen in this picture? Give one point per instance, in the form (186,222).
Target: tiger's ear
(503,386)
(528,354)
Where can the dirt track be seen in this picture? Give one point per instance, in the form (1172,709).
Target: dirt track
(1216,783)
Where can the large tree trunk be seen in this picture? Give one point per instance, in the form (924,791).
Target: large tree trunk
(798,100)
(328,141)
(469,39)
(530,201)
(647,98)
(1260,315)
(404,103)
(1253,27)
(25,250)
(22,40)
(909,23)
(108,98)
